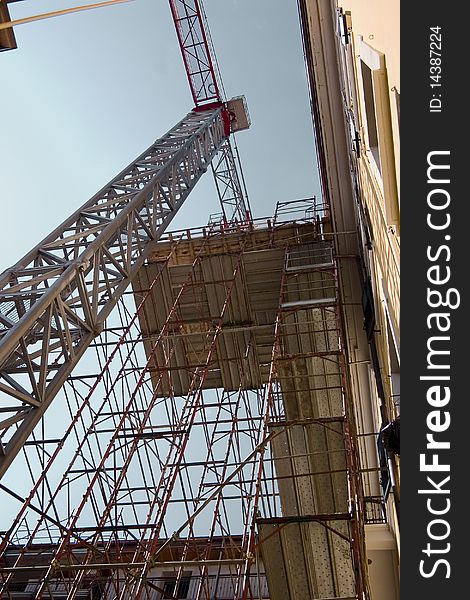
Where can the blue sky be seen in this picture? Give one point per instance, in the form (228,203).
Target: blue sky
(85,93)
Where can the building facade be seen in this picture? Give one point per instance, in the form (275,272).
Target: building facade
(352,57)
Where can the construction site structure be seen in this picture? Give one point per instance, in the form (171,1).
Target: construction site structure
(215,449)
(191,412)
(56,299)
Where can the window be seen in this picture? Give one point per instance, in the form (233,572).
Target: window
(172,590)
(354,134)
(377,120)
(393,345)
(385,479)
(371,117)
(368,309)
(17,586)
(394,368)
(344,25)
(98,590)
(348,77)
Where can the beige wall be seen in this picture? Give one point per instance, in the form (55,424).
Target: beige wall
(375,35)
(378,22)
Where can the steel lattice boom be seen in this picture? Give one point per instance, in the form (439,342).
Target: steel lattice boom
(55,300)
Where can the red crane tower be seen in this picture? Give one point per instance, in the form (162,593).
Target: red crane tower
(206,91)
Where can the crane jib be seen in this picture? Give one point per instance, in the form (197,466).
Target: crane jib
(195,51)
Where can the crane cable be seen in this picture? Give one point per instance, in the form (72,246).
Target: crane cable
(58,13)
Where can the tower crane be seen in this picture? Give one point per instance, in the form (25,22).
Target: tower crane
(207,91)
(56,299)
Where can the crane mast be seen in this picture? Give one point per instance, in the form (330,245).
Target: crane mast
(56,299)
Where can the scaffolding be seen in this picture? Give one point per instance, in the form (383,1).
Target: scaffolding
(211,448)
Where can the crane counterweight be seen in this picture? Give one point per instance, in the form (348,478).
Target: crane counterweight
(239,116)
(234,113)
